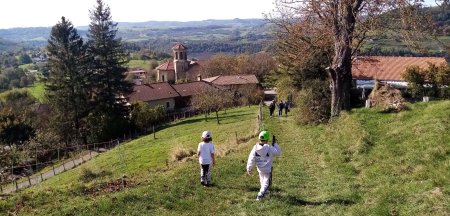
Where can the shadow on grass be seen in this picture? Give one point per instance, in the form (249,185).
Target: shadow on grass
(296,201)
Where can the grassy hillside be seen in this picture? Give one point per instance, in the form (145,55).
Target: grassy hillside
(364,163)
(37,90)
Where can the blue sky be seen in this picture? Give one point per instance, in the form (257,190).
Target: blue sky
(38,13)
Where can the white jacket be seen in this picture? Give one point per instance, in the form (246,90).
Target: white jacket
(262,155)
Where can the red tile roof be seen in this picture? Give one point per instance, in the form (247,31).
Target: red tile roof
(136,71)
(192,88)
(179,46)
(233,80)
(167,66)
(388,67)
(153,92)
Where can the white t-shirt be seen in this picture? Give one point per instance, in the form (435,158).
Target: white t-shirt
(205,149)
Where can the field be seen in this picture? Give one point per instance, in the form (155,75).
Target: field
(363,163)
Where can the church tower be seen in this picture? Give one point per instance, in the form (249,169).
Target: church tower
(180,62)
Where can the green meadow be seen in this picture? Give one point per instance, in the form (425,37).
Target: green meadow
(364,163)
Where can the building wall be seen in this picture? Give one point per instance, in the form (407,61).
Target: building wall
(180,68)
(168,76)
(163,102)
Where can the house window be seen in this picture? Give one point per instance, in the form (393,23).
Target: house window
(163,78)
(176,55)
(168,104)
(181,55)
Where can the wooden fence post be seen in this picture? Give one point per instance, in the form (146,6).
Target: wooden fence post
(29,181)
(154,135)
(53,166)
(235,134)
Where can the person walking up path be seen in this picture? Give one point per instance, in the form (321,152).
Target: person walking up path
(272,108)
(286,107)
(280,108)
(262,155)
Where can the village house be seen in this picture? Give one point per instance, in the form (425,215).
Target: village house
(138,75)
(155,94)
(387,69)
(233,81)
(187,74)
(172,97)
(180,68)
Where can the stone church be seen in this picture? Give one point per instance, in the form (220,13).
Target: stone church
(180,69)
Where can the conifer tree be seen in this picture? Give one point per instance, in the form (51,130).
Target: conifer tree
(108,58)
(67,90)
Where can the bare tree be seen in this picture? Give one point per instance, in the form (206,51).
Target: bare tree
(305,26)
(212,100)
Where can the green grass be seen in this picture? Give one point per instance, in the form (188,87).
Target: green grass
(144,64)
(37,90)
(26,66)
(364,163)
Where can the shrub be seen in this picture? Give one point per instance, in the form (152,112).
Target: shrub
(313,103)
(88,175)
(387,98)
(179,154)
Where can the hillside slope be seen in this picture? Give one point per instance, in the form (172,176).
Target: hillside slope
(364,163)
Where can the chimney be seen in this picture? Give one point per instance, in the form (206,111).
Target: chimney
(199,77)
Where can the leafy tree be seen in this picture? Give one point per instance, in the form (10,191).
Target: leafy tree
(433,81)
(212,100)
(144,116)
(107,73)
(16,118)
(25,59)
(306,26)
(416,80)
(67,85)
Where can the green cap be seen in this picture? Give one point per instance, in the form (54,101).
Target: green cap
(264,135)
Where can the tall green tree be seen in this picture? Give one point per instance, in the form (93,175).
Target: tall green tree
(67,85)
(108,60)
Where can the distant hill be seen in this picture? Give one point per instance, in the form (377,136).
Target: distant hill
(7,45)
(236,35)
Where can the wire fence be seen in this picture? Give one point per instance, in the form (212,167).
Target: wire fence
(79,154)
(55,166)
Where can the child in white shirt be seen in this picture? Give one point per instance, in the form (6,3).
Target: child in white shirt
(262,154)
(205,153)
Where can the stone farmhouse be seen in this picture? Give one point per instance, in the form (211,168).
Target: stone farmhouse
(387,69)
(180,68)
(172,97)
(176,97)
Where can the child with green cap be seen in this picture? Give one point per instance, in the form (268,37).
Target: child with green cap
(262,154)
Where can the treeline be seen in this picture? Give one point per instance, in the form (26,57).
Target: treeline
(380,51)
(84,95)
(160,46)
(11,78)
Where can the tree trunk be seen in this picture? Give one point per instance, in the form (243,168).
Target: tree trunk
(217,116)
(340,71)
